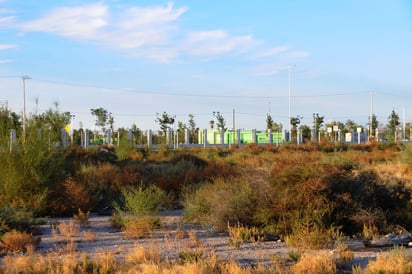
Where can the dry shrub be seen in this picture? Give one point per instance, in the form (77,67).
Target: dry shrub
(106,262)
(397,261)
(75,196)
(66,229)
(144,255)
(13,241)
(319,262)
(89,236)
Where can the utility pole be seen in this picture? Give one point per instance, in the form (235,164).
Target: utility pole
(290,124)
(24,78)
(371,116)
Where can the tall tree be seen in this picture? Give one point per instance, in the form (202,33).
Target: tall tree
(269,122)
(8,120)
(101,116)
(221,123)
(192,128)
(294,121)
(165,121)
(393,122)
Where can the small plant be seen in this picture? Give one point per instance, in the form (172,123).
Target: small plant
(239,234)
(82,218)
(190,256)
(13,241)
(294,255)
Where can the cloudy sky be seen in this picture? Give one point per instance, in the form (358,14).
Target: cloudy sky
(139,58)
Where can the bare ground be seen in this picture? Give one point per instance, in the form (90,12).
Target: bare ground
(174,237)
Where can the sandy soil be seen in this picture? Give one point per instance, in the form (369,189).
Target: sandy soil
(174,237)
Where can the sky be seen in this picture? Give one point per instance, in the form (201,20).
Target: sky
(243,59)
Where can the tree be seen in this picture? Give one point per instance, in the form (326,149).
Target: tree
(350,126)
(269,122)
(221,123)
(8,120)
(305,129)
(165,121)
(375,125)
(181,127)
(317,123)
(110,121)
(393,123)
(50,123)
(212,124)
(192,128)
(101,115)
(295,121)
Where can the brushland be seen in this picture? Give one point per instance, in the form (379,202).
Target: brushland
(311,196)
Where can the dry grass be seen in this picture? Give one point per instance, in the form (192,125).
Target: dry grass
(66,230)
(144,255)
(89,236)
(13,241)
(82,218)
(319,262)
(240,233)
(397,261)
(140,226)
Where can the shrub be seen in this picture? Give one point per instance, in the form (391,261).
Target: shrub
(17,241)
(13,218)
(239,234)
(82,218)
(137,213)
(233,201)
(396,261)
(319,262)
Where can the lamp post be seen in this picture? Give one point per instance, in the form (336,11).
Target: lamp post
(24,78)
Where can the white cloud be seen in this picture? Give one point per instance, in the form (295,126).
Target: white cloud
(298,54)
(6,46)
(6,61)
(217,42)
(272,52)
(145,32)
(269,69)
(79,22)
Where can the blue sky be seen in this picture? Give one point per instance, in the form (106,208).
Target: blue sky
(139,58)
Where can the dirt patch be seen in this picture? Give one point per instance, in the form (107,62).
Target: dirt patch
(174,237)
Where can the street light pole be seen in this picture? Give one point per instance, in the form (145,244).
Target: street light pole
(24,78)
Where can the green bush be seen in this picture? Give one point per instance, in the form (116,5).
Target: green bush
(225,200)
(137,212)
